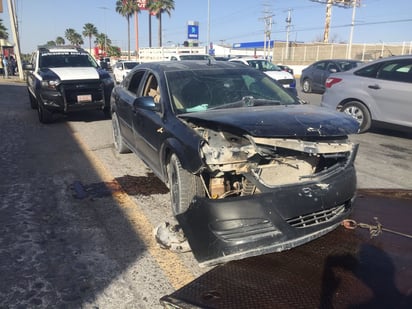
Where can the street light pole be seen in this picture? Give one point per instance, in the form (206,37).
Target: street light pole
(349,54)
(208,27)
(13,22)
(105,27)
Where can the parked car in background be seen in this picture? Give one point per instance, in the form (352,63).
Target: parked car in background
(285,78)
(105,64)
(122,68)
(191,57)
(251,170)
(285,68)
(379,93)
(64,79)
(313,77)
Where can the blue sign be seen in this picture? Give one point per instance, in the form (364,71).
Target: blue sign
(193,32)
(260,44)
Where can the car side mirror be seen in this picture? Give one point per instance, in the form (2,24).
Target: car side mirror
(28,67)
(146,103)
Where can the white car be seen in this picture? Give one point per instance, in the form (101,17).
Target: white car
(122,68)
(285,78)
(191,57)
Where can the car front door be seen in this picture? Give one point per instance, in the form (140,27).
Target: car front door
(148,125)
(124,107)
(392,92)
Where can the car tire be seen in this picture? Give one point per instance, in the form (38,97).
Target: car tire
(45,116)
(33,101)
(183,185)
(307,86)
(360,112)
(118,141)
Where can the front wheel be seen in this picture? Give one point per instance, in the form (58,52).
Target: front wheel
(45,116)
(360,112)
(33,101)
(184,186)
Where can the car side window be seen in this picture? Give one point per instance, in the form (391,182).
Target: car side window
(134,82)
(400,71)
(320,66)
(369,71)
(152,89)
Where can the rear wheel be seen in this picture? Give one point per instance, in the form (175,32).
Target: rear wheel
(183,185)
(118,142)
(360,112)
(307,86)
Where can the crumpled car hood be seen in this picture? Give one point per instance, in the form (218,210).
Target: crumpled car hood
(278,121)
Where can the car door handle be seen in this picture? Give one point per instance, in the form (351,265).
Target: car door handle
(376,86)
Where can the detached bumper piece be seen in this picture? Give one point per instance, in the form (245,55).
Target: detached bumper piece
(344,269)
(222,230)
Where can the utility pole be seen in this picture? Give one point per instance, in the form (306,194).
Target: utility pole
(288,25)
(13,23)
(352,27)
(268,21)
(327,21)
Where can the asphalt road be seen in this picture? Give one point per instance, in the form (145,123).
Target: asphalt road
(70,237)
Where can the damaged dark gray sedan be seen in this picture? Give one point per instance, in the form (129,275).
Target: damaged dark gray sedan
(250,168)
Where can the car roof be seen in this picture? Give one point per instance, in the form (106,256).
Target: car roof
(57,49)
(168,66)
(249,58)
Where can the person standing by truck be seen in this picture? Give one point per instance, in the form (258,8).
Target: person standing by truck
(5,67)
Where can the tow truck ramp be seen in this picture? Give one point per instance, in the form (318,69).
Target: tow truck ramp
(365,264)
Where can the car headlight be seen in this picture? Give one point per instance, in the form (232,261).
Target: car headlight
(51,84)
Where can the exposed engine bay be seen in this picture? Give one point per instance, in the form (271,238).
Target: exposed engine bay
(246,165)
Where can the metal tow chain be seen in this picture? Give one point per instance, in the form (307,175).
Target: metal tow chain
(374,230)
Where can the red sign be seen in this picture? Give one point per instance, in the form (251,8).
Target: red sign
(142,4)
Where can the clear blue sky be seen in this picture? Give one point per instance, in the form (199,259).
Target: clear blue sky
(231,21)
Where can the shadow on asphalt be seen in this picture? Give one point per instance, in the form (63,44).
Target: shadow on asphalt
(56,250)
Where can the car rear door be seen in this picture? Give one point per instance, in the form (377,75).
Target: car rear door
(392,92)
(319,75)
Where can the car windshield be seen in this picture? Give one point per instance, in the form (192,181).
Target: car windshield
(263,65)
(129,65)
(200,90)
(66,59)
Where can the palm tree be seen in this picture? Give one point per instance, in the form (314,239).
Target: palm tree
(160,7)
(127,8)
(150,6)
(60,41)
(102,41)
(3,31)
(77,39)
(69,34)
(89,30)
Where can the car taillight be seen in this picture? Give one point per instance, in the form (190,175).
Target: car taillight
(330,81)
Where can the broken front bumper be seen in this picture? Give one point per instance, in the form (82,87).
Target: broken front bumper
(222,230)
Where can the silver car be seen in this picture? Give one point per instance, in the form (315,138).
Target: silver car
(378,93)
